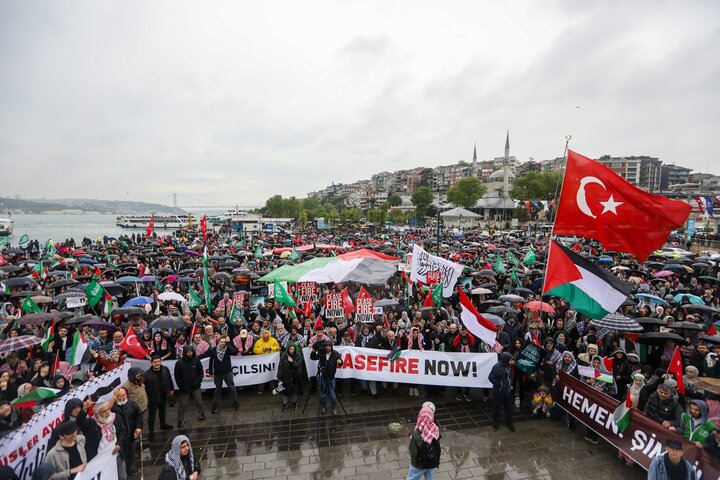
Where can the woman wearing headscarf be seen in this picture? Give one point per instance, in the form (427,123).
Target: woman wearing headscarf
(42,377)
(289,376)
(180,463)
(424,445)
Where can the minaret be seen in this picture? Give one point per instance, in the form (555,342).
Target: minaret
(506,167)
(474,164)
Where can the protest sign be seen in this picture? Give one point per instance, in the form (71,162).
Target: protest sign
(247,370)
(432,277)
(76,302)
(102,467)
(424,263)
(364,307)
(240,298)
(25,448)
(642,440)
(334,305)
(306,292)
(529,357)
(414,367)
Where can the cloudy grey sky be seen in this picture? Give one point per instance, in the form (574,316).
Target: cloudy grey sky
(230,102)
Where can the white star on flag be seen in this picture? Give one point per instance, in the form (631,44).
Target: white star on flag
(610,205)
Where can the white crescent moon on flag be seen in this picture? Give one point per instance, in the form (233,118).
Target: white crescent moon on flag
(580,197)
(132,341)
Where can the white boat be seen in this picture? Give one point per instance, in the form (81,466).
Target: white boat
(160,222)
(6,226)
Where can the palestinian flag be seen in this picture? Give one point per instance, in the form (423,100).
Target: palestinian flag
(48,337)
(35,397)
(39,271)
(395,352)
(621,415)
(435,297)
(56,364)
(57,262)
(108,307)
(590,372)
(591,290)
(75,354)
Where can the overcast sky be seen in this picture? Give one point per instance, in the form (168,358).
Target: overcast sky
(231,102)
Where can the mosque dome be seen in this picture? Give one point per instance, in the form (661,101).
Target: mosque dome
(499,175)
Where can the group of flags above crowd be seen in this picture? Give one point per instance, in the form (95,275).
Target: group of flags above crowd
(706,204)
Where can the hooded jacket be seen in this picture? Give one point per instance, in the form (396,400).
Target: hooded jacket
(136,392)
(501,375)
(189,372)
(699,431)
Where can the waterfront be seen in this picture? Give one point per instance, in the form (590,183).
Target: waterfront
(60,227)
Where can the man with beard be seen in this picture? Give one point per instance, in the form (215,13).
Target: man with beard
(159,386)
(189,373)
(128,427)
(695,424)
(105,420)
(220,367)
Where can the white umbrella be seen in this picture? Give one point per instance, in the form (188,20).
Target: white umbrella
(480,291)
(168,296)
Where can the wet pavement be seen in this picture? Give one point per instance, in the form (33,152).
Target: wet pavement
(259,441)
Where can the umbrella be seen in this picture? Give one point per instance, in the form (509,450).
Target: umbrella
(18,281)
(686,297)
(65,282)
(35,318)
(128,280)
(167,322)
(128,311)
(169,296)
(651,298)
(686,326)
(659,338)
(486,273)
(494,319)
(663,273)
(542,306)
(711,338)
(98,323)
(387,302)
(18,343)
(511,298)
(148,278)
(707,278)
(481,291)
(66,295)
(700,308)
(500,309)
(521,290)
(649,321)
(618,322)
(82,318)
(133,302)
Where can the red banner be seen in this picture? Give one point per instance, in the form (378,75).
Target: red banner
(433,277)
(306,292)
(642,440)
(334,305)
(364,307)
(240,299)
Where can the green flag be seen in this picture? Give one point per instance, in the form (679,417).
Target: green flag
(195,300)
(93,292)
(29,306)
(4,288)
(282,296)
(206,289)
(236,316)
(515,278)
(499,266)
(109,262)
(529,257)
(437,295)
(258,252)
(4,240)
(23,240)
(158,285)
(512,259)
(332,253)
(49,248)
(294,255)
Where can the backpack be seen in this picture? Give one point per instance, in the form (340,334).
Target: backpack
(429,455)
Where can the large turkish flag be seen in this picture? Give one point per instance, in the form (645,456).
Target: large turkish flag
(597,203)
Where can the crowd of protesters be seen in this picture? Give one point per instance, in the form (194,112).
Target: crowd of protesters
(172,264)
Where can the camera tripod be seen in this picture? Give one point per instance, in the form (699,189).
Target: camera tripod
(319,382)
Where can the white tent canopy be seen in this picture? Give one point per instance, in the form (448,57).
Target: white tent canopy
(459,213)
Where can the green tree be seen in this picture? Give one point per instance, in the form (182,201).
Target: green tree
(302,220)
(426,177)
(422,198)
(377,216)
(466,192)
(394,200)
(274,206)
(396,215)
(536,186)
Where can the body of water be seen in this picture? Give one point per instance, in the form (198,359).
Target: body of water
(60,227)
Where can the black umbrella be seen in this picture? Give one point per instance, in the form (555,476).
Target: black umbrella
(686,326)
(167,322)
(11,268)
(13,251)
(65,282)
(500,309)
(82,319)
(659,338)
(98,323)
(128,311)
(710,338)
(35,318)
(649,321)
(19,281)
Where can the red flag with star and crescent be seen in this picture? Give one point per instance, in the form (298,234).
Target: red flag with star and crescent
(203,227)
(132,345)
(150,226)
(598,203)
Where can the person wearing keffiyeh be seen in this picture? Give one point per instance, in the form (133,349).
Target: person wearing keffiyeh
(424,445)
(180,463)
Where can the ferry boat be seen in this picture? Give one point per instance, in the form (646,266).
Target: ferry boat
(171,222)
(6,227)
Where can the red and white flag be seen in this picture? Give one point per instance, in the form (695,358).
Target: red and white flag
(132,345)
(476,324)
(676,368)
(151,226)
(203,227)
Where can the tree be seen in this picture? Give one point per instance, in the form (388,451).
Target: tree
(394,200)
(536,186)
(422,198)
(302,220)
(426,177)
(466,192)
(396,216)
(274,206)
(377,216)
